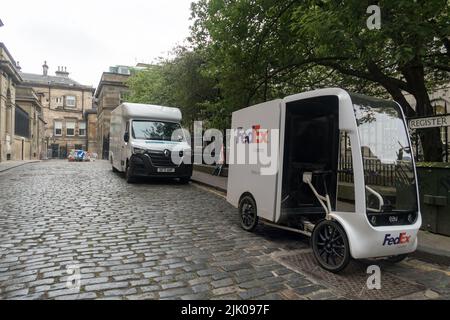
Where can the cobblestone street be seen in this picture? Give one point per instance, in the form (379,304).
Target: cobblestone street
(150,240)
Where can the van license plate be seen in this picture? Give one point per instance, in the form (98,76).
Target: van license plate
(166,169)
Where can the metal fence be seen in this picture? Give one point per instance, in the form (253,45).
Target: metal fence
(375,173)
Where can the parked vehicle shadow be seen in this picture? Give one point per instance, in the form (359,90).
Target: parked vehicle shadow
(163,181)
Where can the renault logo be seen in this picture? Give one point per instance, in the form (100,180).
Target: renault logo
(166,153)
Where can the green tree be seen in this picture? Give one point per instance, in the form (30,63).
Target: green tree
(259,49)
(150,85)
(178,82)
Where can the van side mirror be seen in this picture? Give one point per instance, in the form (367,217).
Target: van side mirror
(126,137)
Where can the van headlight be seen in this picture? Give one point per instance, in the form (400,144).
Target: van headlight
(138,151)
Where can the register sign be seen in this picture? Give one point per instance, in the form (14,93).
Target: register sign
(431,122)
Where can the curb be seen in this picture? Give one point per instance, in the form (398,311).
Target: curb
(431,257)
(433,251)
(208,185)
(19,165)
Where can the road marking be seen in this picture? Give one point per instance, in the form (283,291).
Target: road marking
(217,193)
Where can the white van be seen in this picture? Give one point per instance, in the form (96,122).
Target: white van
(344,174)
(143,140)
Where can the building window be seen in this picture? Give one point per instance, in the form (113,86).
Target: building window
(71,101)
(82,129)
(59,101)
(21,123)
(58,128)
(70,128)
(123,70)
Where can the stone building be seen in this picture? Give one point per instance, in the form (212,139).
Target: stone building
(91,119)
(64,102)
(9,79)
(29,125)
(109,94)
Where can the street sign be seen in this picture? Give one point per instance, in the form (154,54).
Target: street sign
(430,122)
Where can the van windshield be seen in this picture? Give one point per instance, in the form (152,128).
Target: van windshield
(387,157)
(156,130)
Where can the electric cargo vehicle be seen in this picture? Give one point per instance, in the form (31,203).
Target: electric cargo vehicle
(341,171)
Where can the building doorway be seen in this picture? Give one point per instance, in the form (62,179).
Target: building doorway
(55,150)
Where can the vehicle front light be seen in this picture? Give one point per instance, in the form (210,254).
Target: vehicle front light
(138,151)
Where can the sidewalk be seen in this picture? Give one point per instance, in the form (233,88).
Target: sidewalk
(435,245)
(6,165)
(431,246)
(218,183)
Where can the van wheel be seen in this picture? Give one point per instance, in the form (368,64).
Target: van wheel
(248,213)
(114,169)
(128,176)
(330,246)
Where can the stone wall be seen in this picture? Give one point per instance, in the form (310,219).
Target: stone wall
(28,101)
(110,94)
(8,80)
(91,119)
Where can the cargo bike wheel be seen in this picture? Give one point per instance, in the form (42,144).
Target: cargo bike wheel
(330,246)
(248,213)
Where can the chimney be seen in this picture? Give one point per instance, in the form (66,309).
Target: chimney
(18,67)
(45,68)
(62,72)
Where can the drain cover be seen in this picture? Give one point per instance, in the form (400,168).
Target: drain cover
(351,283)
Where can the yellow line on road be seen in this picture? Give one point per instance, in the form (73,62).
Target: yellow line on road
(425,266)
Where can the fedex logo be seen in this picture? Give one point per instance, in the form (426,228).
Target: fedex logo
(401,239)
(253,135)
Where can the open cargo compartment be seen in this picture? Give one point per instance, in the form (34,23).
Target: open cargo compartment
(311,145)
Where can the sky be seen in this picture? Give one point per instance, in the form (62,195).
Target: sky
(88,36)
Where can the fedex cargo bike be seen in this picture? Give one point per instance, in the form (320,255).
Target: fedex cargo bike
(341,172)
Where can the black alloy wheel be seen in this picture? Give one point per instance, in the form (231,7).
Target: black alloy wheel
(330,246)
(248,213)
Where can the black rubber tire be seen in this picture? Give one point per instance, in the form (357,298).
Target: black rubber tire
(114,169)
(397,258)
(184,180)
(128,177)
(330,246)
(248,213)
